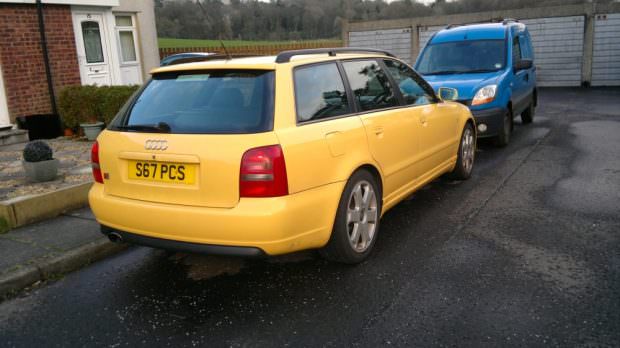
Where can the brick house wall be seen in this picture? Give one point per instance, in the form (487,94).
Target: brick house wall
(22,61)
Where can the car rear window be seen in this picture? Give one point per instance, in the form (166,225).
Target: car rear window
(204,102)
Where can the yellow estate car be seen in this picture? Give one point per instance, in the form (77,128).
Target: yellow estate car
(271,155)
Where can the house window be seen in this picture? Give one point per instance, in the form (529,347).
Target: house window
(125,32)
(92,42)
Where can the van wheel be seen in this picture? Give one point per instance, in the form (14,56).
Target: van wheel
(466,154)
(527,116)
(357,220)
(503,138)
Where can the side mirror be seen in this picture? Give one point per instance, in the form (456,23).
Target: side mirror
(448,94)
(523,64)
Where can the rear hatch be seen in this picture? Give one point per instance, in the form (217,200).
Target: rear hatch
(181,140)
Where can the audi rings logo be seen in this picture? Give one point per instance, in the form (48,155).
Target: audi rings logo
(152,144)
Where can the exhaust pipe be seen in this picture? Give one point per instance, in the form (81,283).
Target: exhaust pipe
(115,237)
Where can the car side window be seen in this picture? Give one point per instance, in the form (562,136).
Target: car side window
(411,86)
(370,85)
(319,92)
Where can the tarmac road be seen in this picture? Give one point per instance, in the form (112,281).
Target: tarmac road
(527,252)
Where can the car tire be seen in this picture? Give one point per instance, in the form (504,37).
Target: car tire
(527,116)
(466,155)
(503,138)
(354,233)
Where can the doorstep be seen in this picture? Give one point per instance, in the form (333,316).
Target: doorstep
(13,136)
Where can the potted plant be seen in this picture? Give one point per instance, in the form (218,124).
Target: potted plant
(91,104)
(38,162)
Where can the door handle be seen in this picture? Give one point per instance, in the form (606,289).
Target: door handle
(423,120)
(378,130)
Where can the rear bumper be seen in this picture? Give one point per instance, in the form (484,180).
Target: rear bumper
(493,119)
(167,244)
(254,227)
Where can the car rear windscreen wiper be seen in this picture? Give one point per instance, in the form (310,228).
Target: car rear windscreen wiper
(161,127)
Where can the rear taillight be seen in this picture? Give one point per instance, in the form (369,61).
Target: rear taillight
(94,159)
(263,173)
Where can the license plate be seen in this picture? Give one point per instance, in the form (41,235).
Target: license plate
(177,173)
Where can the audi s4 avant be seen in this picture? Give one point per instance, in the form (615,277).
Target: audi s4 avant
(271,155)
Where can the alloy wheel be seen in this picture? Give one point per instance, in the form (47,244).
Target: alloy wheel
(362,216)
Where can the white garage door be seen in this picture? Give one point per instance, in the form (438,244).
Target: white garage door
(558,48)
(397,41)
(606,57)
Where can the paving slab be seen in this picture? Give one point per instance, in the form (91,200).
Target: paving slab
(42,251)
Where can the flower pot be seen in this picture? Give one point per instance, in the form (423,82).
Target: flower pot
(41,171)
(92,130)
(69,132)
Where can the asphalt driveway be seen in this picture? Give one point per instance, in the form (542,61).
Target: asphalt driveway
(527,252)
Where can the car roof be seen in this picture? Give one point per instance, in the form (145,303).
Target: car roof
(261,62)
(485,31)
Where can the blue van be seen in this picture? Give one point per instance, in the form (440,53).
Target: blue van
(491,66)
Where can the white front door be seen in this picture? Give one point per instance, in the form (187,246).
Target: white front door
(93,54)
(4,109)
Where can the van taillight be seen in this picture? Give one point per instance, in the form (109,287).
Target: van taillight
(94,159)
(263,173)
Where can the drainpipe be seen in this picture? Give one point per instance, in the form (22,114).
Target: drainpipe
(46,60)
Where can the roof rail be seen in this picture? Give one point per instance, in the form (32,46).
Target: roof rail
(285,56)
(450,26)
(509,20)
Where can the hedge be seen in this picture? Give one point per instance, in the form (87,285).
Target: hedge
(88,104)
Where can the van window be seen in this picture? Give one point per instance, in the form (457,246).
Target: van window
(319,92)
(370,85)
(461,57)
(525,48)
(409,83)
(516,50)
(204,102)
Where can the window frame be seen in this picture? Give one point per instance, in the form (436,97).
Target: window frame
(345,83)
(133,30)
(353,104)
(101,38)
(396,91)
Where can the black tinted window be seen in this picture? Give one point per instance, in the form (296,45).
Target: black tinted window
(409,83)
(319,92)
(218,101)
(516,50)
(370,85)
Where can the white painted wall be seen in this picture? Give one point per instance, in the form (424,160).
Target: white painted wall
(4,108)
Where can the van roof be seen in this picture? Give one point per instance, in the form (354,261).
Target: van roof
(485,31)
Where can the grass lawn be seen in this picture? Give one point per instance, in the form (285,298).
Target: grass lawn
(172,43)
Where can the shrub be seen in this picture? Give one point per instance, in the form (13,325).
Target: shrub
(113,99)
(89,104)
(37,151)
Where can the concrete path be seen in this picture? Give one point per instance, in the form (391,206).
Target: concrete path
(49,249)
